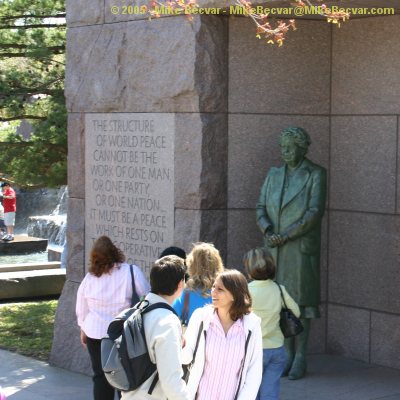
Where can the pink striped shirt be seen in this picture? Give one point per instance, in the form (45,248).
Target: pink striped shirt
(224,357)
(100,299)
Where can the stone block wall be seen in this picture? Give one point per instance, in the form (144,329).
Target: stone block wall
(230,95)
(364,232)
(128,65)
(271,88)
(343,87)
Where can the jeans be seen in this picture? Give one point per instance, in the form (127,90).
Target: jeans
(102,390)
(274,361)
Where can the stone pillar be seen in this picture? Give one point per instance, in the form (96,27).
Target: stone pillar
(170,66)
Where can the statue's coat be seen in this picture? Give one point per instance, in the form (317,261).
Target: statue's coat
(297,213)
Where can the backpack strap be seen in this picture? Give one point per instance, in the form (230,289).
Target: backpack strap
(153,384)
(185,309)
(116,325)
(159,305)
(135,298)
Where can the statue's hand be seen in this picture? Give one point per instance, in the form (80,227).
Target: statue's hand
(272,239)
(275,240)
(281,240)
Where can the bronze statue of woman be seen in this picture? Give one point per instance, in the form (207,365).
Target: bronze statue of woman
(289,214)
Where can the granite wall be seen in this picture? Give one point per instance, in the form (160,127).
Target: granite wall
(271,88)
(343,87)
(365,214)
(169,66)
(230,95)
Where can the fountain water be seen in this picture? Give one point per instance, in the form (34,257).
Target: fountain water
(38,202)
(49,207)
(32,275)
(52,227)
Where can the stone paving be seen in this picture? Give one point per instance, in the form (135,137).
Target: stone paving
(24,378)
(337,378)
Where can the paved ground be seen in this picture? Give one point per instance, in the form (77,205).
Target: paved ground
(26,379)
(337,378)
(329,378)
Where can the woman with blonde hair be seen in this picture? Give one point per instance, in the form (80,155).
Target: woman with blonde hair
(223,341)
(267,304)
(110,286)
(204,263)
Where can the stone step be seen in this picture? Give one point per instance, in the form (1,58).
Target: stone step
(29,266)
(54,254)
(22,245)
(28,284)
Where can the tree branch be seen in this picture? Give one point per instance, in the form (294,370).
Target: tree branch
(24,144)
(31,92)
(27,46)
(43,85)
(22,117)
(11,17)
(32,26)
(28,54)
(50,60)
(43,89)
(14,55)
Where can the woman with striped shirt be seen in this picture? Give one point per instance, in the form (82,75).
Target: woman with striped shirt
(104,292)
(228,362)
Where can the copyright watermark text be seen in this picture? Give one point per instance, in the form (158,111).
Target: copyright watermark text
(240,10)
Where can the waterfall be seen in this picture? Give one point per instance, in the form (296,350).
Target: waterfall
(53,226)
(61,208)
(49,227)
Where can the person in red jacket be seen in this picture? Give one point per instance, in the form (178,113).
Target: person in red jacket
(10,207)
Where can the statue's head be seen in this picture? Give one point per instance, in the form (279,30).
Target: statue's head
(294,142)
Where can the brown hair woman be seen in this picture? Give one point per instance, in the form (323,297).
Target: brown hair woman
(228,361)
(104,292)
(267,304)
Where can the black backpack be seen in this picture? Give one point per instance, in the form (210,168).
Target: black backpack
(124,355)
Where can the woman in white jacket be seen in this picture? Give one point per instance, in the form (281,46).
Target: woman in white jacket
(227,364)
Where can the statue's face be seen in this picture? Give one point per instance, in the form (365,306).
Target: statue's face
(291,154)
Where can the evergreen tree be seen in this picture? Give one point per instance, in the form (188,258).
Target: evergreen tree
(32,54)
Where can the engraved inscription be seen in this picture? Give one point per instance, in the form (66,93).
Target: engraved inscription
(129,164)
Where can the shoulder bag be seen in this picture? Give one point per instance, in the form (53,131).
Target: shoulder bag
(188,367)
(290,325)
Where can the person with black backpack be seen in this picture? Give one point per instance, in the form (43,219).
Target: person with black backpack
(163,334)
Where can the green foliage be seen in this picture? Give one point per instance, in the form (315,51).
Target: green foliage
(27,328)
(32,46)
(7,129)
